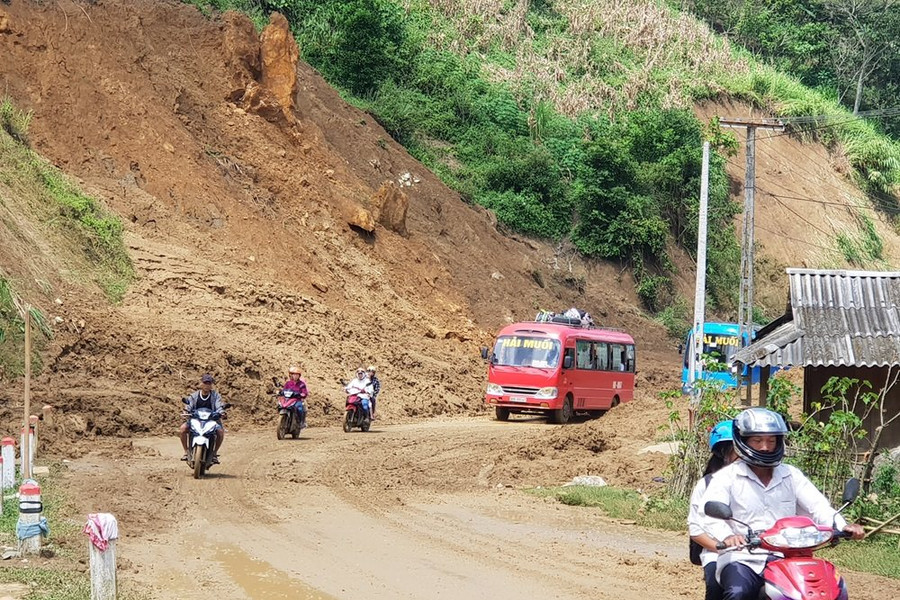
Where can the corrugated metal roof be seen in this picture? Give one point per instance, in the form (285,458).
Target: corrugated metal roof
(838,318)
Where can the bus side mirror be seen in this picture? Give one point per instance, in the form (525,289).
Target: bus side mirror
(484,352)
(567,362)
(680,349)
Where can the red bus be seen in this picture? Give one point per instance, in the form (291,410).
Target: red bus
(559,369)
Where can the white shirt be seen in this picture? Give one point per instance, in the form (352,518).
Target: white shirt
(789,493)
(694,519)
(360,387)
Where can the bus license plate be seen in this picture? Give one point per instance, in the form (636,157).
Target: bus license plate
(516,399)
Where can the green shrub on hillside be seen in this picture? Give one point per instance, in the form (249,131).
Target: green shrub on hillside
(98,232)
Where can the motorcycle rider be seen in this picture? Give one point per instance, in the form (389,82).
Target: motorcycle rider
(721,454)
(376,386)
(760,490)
(205,397)
(361,386)
(296,384)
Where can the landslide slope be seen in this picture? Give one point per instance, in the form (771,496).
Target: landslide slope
(238,228)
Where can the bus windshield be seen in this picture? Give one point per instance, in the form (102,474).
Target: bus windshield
(524,351)
(720,347)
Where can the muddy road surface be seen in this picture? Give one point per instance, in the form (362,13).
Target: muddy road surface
(405,511)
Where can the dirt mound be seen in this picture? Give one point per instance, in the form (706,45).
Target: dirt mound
(238,223)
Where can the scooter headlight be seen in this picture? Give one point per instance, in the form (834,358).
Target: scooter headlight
(798,537)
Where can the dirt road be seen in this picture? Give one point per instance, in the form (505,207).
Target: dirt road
(405,511)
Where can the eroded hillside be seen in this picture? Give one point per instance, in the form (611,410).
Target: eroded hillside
(238,227)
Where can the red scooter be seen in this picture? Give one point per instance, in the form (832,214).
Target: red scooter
(291,412)
(799,574)
(357,413)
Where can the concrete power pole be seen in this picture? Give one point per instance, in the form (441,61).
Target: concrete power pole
(696,348)
(745,308)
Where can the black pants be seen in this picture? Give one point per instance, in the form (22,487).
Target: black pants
(713,589)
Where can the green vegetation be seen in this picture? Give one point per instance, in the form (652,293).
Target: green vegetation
(658,512)
(12,334)
(569,120)
(38,193)
(60,579)
(844,50)
(74,214)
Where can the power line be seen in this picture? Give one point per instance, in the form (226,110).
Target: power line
(798,240)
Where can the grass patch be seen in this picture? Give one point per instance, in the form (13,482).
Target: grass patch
(656,512)
(12,334)
(878,555)
(40,188)
(59,578)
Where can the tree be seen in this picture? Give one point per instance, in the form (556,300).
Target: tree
(869,31)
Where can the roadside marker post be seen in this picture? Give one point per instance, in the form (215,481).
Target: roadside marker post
(26,446)
(8,452)
(103,530)
(32,525)
(33,421)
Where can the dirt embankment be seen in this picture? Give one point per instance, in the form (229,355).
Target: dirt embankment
(237,222)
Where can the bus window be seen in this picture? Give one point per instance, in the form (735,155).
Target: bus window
(618,357)
(582,354)
(629,358)
(570,355)
(524,351)
(601,356)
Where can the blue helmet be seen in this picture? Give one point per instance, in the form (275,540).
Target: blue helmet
(721,432)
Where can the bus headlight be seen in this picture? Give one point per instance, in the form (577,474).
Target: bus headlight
(494,390)
(546,392)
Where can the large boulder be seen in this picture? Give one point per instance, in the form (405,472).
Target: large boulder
(279,55)
(389,207)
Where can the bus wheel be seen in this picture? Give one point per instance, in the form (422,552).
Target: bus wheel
(501,414)
(615,402)
(563,414)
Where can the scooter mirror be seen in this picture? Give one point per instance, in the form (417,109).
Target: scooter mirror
(226,406)
(717,510)
(851,490)
(185,401)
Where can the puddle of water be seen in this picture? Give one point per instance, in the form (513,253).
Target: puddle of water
(260,580)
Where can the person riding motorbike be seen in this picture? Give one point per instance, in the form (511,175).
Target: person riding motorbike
(296,384)
(205,397)
(376,386)
(361,387)
(703,548)
(759,489)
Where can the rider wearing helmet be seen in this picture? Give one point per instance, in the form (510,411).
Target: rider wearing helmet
(760,490)
(703,548)
(295,383)
(205,397)
(376,386)
(361,387)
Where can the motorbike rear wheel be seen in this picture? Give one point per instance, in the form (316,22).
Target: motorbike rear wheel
(199,460)
(366,424)
(283,426)
(348,421)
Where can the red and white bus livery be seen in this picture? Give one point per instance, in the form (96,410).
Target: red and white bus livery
(558,369)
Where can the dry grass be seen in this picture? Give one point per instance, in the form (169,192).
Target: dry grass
(653,52)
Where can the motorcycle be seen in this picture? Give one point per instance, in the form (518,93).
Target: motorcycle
(290,405)
(201,431)
(798,574)
(357,413)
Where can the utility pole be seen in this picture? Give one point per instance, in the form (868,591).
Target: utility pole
(696,348)
(745,308)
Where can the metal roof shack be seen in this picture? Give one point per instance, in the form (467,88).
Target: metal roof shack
(837,324)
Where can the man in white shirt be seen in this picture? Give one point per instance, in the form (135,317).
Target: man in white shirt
(760,490)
